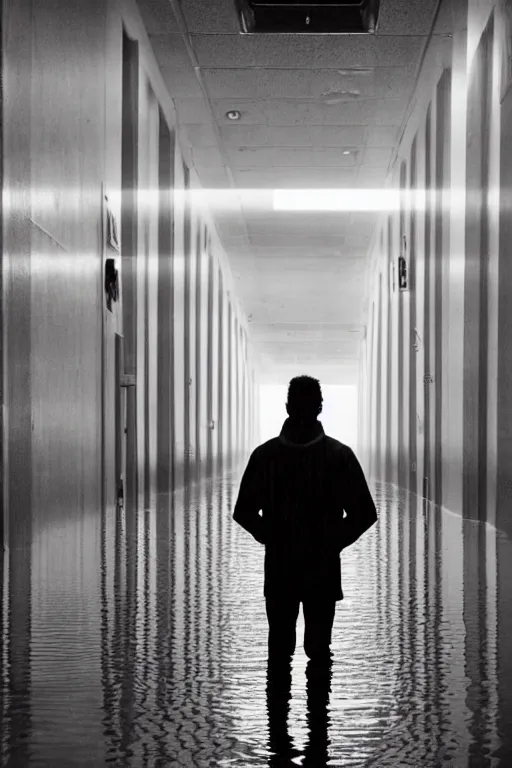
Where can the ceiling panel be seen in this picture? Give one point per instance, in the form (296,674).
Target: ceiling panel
(412,17)
(295,239)
(303,100)
(294,135)
(302,157)
(283,331)
(297,157)
(307,51)
(326,84)
(295,178)
(288,112)
(395,16)
(158,17)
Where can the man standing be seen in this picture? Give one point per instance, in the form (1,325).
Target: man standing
(314,502)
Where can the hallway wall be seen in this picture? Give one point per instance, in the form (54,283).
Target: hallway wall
(435,369)
(439,407)
(89,129)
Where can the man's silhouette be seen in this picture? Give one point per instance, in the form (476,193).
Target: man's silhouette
(314,502)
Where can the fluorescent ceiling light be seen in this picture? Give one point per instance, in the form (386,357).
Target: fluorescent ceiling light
(336,200)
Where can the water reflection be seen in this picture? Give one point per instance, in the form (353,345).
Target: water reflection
(139,638)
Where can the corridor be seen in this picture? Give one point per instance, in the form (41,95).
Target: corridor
(143,643)
(201,201)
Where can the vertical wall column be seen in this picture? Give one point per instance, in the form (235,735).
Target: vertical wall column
(418,340)
(476,281)
(378,374)
(230,382)
(394,245)
(403,343)
(200,380)
(372,422)
(214,320)
(412,473)
(204,351)
(428,304)
(452,407)
(187,338)
(191,348)
(390,344)
(226,394)
(141,288)
(220,372)
(179,325)
(151,300)
(129,247)
(165,335)
(237,389)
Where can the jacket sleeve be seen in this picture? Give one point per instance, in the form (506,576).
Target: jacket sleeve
(249,502)
(360,509)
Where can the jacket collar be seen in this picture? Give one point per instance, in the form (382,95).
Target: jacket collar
(299,436)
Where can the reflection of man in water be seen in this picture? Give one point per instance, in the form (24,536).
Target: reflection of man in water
(314,502)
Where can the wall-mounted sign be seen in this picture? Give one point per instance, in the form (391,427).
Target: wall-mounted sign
(112,236)
(402,267)
(111,282)
(402,273)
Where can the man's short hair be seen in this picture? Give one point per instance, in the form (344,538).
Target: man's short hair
(304,397)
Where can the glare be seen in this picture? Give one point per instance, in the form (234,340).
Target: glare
(336,200)
(339,412)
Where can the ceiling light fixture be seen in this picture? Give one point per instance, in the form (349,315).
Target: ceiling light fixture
(336,200)
(233,114)
(346,152)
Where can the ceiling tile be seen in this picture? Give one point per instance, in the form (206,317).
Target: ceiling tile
(324,84)
(157,16)
(296,157)
(293,135)
(413,17)
(175,66)
(209,157)
(376,157)
(371,177)
(300,113)
(345,246)
(170,51)
(289,178)
(211,17)
(198,135)
(312,240)
(213,178)
(307,51)
(381,135)
(193,110)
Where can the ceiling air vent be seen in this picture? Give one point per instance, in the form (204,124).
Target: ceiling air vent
(292,16)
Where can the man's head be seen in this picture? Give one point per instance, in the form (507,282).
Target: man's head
(304,399)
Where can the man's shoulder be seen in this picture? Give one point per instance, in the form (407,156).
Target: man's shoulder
(337,447)
(334,447)
(266,448)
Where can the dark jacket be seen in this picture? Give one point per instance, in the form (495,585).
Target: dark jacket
(302,482)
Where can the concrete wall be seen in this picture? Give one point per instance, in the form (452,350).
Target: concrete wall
(448,435)
(85,111)
(451,433)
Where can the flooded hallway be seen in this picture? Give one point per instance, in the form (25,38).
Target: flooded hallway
(202,201)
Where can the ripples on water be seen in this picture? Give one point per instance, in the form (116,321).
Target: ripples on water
(140,640)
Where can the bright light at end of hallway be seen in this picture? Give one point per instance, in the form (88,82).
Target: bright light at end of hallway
(336,200)
(339,412)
